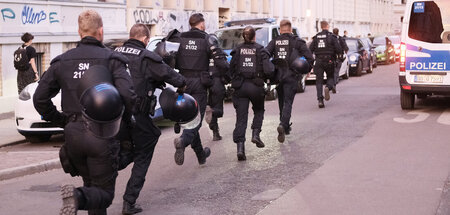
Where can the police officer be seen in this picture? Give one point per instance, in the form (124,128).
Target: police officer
(340,57)
(250,65)
(148,72)
(93,158)
(192,60)
(288,47)
(216,93)
(326,47)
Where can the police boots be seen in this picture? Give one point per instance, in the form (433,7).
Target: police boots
(321,104)
(216,134)
(241,151)
(129,208)
(255,138)
(179,151)
(202,155)
(70,196)
(281,134)
(327,94)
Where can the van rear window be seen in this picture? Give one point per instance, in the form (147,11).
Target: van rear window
(430,21)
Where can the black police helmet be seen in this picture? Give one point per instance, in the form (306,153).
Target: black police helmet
(102,109)
(180,108)
(300,66)
(94,75)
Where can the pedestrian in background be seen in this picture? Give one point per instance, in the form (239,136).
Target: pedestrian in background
(25,62)
(340,57)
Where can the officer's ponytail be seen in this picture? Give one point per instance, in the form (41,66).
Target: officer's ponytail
(249,34)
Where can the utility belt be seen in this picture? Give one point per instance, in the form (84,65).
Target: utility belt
(216,74)
(146,104)
(191,73)
(324,57)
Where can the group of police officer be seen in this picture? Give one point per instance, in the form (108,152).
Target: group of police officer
(108,97)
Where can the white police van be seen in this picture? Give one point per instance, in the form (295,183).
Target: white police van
(424,51)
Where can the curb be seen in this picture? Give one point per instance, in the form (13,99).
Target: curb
(17,142)
(29,169)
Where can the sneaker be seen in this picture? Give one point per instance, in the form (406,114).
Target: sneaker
(327,94)
(208,114)
(179,151)
(70,200)
(334,90)
(281,134)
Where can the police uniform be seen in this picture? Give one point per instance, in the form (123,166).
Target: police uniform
(288,47)
(192,60)
(339,61)
(148,72)
(93,158)
(325,46)
(249,67)
(216,93)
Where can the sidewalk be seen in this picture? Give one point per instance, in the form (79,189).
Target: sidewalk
(20,160)
(379,174)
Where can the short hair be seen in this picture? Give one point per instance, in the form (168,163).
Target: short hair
(336,31)
(323,24)
(27,37)
(285,24)
(248,34)
(89,21)
(139,30)
(345,31)
(195,19)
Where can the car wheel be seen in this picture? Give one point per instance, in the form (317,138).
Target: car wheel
(375,63)
(347,74)
(302,84)
(272,95)
(359,69)
(370,70)
(38,138)
(407,100)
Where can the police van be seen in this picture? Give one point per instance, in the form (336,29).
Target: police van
(230,36)
(424,51)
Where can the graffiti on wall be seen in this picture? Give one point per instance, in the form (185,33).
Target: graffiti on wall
(165,20)
(29,15)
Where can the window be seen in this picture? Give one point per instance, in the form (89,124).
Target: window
(38,60)
(430,21)
(229,39)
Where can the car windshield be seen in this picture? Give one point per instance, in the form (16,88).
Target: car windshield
(395,39)
(430,21)
(230,38)
(366,42)
(379,41)
(352,45)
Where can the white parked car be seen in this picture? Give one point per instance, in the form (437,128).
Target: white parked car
(343,72)
(30,124)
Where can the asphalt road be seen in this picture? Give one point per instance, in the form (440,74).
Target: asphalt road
(226,186)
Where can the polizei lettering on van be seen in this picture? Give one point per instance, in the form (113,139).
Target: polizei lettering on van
(427,65)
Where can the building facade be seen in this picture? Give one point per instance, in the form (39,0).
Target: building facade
(54,23)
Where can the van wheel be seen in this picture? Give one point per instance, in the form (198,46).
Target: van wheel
(407,100)
(38,138)
(359,69)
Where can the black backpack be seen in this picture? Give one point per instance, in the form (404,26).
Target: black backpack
(21,61)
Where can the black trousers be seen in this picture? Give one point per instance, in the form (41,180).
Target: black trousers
(286,91)
(247,93)
(191,136)
(96,160)
(320,67)
(145,135)
(216,94)
(337,68)
(24,78)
